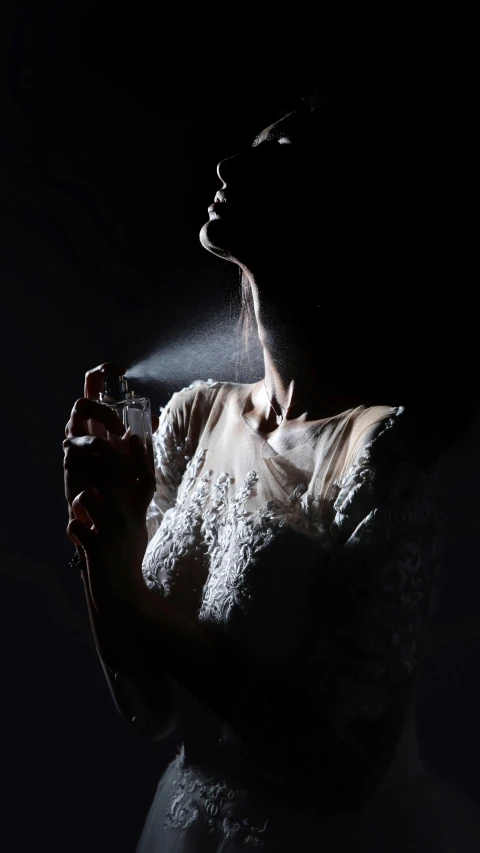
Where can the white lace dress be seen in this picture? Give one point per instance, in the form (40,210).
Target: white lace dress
(324,556)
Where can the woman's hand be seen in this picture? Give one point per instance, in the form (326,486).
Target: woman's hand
(108,492)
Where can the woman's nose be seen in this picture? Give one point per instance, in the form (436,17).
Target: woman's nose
(225,166)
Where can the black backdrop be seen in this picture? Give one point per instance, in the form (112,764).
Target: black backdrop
(112,125)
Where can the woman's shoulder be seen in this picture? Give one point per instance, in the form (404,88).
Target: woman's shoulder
(200,392)
(394,459)
(185,397)
(189,409)
(383,435)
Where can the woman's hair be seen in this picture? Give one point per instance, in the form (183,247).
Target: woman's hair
(247,315)
(402,324)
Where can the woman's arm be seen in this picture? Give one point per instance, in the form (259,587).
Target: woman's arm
(138,685)
(141,695)
(262,711)
(151,713)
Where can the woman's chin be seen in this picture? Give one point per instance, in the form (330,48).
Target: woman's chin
(214,239)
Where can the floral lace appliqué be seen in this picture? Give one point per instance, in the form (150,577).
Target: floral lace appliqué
(377,562)
(199,797)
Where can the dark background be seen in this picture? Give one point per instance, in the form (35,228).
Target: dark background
(112,124)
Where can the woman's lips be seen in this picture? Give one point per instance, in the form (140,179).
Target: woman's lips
(219,199)
(217,207)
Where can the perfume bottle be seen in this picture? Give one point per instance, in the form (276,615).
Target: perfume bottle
(134,412)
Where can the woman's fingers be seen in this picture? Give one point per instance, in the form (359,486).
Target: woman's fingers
(94,378)
(84,410)
(89,507)
(89,461)
(82,529)
(80,512)
(92,461)
(79,445)
(94,385)
(95,514)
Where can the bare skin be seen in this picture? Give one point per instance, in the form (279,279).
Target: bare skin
(267,227)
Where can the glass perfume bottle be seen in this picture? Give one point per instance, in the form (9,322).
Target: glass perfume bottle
(134,412)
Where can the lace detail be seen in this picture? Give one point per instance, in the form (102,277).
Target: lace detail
(383,576)
(202,798)
(223,538)
(236,536)
(173,458)
(347,601)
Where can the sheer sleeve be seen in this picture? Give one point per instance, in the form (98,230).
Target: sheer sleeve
(374,596)
(177,456)
(339,713)
(172,450)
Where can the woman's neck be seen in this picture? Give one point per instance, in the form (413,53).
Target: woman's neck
(299,351)
(302,393)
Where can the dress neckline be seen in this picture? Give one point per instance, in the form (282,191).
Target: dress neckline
(306,431)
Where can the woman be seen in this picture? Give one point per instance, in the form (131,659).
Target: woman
(269,589)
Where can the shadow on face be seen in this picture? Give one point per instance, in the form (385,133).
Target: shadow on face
(303,190)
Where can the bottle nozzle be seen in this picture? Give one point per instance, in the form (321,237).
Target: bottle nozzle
(115,387)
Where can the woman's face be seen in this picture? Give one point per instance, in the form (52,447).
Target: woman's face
(274,195)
